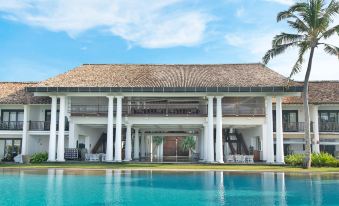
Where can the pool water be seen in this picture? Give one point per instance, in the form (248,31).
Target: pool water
(122,187)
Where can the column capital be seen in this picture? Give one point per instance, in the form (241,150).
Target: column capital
(119,97)
(219,97)
(110,97)
(128,125)
(210,97)
(136,129)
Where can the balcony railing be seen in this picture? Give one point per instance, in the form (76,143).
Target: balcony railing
(89,110)
(170,109)
(44,126)
(293,126)
(328,127)
(12,125)
(243,109)
(167,110)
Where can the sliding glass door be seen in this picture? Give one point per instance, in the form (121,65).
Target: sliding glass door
(9,148)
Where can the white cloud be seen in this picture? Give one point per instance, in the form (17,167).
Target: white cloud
(254,45)
(240,12)
(286,2)
(149,23)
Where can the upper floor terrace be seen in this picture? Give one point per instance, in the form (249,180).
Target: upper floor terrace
(169,107)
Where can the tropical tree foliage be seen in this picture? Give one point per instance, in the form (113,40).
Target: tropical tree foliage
(188,144)
(312,21)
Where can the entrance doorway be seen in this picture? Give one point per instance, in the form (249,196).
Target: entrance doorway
(173,151)
(9,148)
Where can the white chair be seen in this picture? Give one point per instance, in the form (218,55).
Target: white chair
(103,157)
(87,157)
(94,157)
(238,158)
(249,159)
(230,158)
(18,159)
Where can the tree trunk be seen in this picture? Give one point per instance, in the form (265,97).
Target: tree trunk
(307,160)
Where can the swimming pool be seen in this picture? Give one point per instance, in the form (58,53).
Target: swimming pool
(123,187)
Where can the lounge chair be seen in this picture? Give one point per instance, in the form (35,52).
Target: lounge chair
(230,158)
(239,159)
(249,158)
(94,157)
(18,159)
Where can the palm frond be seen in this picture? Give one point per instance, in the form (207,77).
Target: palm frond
(286,38)
(298,64)
(331,49)
(330,32)
(289,13)
(299,25)
(276,50)
(332,9)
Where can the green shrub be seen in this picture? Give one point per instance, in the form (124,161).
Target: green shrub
(322,159)
(39,157)
(295,159)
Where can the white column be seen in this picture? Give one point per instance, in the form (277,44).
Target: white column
(218,142)
(210,156)
(109,147)
(117,156)
(315,120)
(206,142)
(269,126)
(264,142)
(142,144)
(136,143)
(162,149)
(128,149)
(52,134)
(201,144)
(61,133)
(25,130)
(279,140)
(73,134)
(197,144)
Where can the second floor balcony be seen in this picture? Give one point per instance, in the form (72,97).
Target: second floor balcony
(328,127)
(171,109)
(11,125)
(32,125)
(293,127)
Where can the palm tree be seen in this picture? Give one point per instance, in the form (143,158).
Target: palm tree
(312,21)
(157,140)
(188,144)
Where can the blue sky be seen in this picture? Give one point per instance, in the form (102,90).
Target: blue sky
(40,39)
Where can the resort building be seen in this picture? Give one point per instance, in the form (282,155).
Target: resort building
(118,110)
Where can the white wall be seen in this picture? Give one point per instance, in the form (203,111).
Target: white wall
(92,135)
(37,143)
(250,134)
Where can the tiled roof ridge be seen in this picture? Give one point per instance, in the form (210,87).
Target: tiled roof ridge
(158,64)
(19,82)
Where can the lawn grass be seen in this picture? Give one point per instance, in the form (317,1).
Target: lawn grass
(174,167)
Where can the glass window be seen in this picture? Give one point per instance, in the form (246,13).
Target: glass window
(48,116)
(20,116)
(5,116)
(12,115)
(329,116)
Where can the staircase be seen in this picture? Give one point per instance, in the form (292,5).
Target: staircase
(102,141)
(236,139)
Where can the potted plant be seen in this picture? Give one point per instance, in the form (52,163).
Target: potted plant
(188,144)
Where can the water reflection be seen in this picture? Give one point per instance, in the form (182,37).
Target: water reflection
(281,188)
(120,187)
(50,187)
(220,187)
(108,186)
